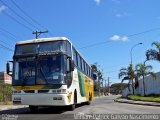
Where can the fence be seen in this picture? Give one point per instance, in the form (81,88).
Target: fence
(152,86)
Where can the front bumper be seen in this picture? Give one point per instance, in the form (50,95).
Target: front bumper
(41,99)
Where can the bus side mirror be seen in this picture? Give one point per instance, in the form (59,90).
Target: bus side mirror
(8,69)
(94,76)
(72,65)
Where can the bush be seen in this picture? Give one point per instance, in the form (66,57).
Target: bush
(5,93)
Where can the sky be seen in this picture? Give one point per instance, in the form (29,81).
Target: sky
(104,31)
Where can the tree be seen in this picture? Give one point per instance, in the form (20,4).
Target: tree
(154,54)
(96,68)
(143,70)
(128,74)
(117,88)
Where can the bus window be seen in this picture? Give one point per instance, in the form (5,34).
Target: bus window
(75,57)
(82,65)
(68,49)
(79,61)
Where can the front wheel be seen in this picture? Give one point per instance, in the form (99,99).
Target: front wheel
(73,106)
(33,108)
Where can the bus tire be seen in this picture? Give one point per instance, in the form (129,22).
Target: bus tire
(73,106)
(33,108)
(90,99)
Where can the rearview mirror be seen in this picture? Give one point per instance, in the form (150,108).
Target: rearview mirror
(8,69)
(72,65)
(95,76)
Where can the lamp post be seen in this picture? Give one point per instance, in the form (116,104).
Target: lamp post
(131,63)
(132,50)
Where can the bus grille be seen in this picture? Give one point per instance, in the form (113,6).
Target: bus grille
(43,91)
(29,91)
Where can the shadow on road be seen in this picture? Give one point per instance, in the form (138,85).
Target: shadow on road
(41,110)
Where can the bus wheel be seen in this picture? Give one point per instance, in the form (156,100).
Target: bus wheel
(73,106)
(89,101)
(33,108)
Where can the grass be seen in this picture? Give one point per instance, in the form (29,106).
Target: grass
(150,98)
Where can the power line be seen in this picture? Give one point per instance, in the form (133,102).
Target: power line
(92,45)
(26,14)
(143,32)
(9,49)
(131,35)
(9,33)
(19,15)
(18,21)
(5,43)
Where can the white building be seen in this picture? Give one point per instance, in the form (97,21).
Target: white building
(5,78)
(152,86)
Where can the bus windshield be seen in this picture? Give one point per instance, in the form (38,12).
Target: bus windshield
(43,48)
(45,70)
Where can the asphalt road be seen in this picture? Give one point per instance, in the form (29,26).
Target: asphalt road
(102,105)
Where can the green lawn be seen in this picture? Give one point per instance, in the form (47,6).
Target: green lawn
(153,98)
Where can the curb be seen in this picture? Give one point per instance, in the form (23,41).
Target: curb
(12,107)
(138,102)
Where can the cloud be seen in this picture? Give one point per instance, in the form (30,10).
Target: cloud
(116,1)
(119,38)
(118,15)
(2,8)
(97,1)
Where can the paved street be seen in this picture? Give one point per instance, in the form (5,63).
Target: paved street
(102,105)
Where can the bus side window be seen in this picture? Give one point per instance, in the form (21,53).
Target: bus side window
(68,48)
(75,57)
(79,61)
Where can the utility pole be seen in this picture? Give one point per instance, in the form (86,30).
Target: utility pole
(39,32)
(99,84)
(108,87)
(105,83)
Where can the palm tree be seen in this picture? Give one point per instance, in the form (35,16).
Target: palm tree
(142,71)
(128,74)
(154,54)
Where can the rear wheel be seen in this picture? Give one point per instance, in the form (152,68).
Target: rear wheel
(90,99)
(33,108)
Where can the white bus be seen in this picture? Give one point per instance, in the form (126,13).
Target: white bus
(50,72)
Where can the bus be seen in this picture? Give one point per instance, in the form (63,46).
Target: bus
(50,72)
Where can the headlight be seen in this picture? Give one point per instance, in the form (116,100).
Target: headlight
(59,91)
(17,99)
(16,91)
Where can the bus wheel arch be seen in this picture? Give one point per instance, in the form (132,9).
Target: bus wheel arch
(73,106)
(75,97)
(89,99)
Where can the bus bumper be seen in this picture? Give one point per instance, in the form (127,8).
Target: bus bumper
(41,99)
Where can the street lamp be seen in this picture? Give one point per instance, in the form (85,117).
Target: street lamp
(131,62)
(132,50)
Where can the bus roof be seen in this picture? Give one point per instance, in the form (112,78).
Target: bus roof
(42,40)
(47,40)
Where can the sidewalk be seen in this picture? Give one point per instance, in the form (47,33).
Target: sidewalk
(137,102)
(9,107)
